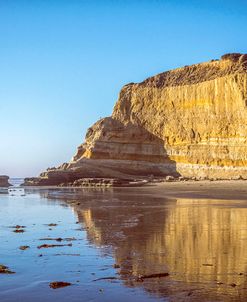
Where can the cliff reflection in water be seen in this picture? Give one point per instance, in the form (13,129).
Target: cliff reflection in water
(201,243)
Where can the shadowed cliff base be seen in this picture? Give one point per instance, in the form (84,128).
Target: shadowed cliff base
(113,150)
(190,121)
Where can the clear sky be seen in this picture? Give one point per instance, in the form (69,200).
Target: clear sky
(63,62)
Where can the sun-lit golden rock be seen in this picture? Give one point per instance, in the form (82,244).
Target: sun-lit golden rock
(199,112)
(189,121)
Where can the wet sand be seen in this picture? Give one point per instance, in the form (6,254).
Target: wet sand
(221,189)
(164,242)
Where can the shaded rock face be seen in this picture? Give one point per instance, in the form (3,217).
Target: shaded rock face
(115,140)
(4,181)
(190,121)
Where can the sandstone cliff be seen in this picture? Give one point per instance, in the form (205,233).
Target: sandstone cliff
(190,121)
(4,181)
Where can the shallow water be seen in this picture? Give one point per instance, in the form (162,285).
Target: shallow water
(202,244)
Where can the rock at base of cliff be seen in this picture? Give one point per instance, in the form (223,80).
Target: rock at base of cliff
(103,169)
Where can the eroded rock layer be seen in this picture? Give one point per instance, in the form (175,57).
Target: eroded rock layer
(190,121)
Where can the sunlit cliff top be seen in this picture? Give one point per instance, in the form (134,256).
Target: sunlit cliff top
(228,64)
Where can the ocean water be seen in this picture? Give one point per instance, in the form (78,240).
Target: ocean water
(126,236)
(16,181)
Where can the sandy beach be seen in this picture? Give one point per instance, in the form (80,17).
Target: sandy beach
(182,241)
(224,189)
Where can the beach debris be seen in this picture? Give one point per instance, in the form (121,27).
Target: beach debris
(207,264)
(5,270)
(141,278)
(116,265)
(59,284)
(106,278)
(169,178)
(19,231)
(51,224)
(24,247)
(45,246)
(58,239)
(18,226)
(233,284)
(104,183)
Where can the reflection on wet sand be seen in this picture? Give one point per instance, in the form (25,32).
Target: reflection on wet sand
(201,243)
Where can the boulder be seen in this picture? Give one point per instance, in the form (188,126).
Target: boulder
(4,181)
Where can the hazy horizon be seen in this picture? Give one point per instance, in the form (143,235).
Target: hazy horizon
(63,64)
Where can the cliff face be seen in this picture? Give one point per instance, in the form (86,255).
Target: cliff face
(199,112)
(190,121)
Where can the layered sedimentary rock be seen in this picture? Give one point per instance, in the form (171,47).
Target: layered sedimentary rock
(190,121)
(4,181)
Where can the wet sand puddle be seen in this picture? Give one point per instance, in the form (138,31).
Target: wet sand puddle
(121,244)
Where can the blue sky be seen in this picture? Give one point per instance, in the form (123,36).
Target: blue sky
(62,64)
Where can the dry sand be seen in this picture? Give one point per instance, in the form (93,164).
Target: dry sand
(224,189)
